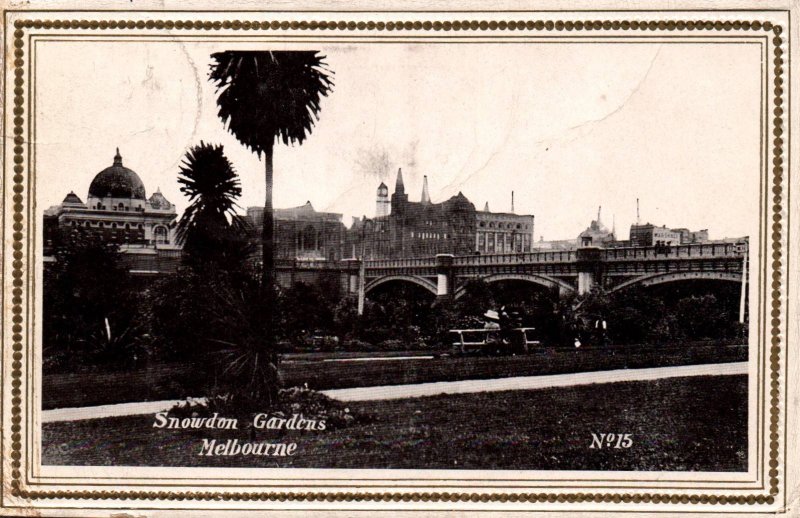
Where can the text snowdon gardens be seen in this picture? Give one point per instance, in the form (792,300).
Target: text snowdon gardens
(229,447)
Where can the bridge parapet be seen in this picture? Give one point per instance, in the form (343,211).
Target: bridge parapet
(565,256)
(693,251)
(420,262)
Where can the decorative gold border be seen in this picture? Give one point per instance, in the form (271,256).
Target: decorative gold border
(456,25)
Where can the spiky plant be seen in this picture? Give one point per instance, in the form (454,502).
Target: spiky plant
(209,229)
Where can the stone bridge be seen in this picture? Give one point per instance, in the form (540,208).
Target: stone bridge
(565,271)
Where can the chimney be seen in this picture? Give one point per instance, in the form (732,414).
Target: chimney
(512,202)
(426,198)
(637,211)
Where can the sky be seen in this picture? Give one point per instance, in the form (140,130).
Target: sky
(568,127)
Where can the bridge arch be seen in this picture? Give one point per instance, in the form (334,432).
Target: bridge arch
(541,280)
(419,281)
(662,278)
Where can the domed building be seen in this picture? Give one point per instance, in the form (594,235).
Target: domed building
(118,210)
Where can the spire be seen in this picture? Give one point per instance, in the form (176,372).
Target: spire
(426,198)
(398,186)
(486,207)
(599,208)
(512,202)
(637,211)
(117,158)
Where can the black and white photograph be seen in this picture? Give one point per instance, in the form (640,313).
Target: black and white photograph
(331,257)
(504,260)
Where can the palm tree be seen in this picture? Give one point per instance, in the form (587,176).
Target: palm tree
(210,230)
(264,96)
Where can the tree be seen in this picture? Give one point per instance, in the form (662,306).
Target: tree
(89,302)
(264,95)
(212,234)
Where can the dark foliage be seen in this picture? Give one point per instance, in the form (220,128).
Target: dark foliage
(268,94)
(211,232)
(91,308)
(666,315)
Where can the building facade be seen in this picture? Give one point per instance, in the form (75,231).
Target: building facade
(119,212)
(405,228)
(302,233)
(651,235)
(502,232)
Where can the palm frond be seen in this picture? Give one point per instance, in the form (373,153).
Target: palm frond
(210,182)
(267,94)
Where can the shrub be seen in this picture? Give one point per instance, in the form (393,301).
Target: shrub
(311,404)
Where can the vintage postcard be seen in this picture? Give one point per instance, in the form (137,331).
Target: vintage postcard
(356,258)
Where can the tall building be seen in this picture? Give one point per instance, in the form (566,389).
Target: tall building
(301,233)
(118,211)
(421,229)
(503,232)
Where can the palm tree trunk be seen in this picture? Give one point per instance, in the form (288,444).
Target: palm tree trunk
(267,247)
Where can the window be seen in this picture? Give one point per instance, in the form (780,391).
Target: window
(160,235)
(308,238)
(121,206)
(113,225)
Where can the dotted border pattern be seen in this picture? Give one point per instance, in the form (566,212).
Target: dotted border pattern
(473,25)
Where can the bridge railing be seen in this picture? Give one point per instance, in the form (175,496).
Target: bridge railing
(703,250)
(422,262)
(564,256)
(300,264)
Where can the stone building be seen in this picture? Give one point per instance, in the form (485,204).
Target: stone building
(502,232)
(302,233)
(688,237)
(405,228)
(118,210)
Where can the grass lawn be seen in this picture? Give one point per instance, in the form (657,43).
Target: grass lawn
(177,381)
(680,424)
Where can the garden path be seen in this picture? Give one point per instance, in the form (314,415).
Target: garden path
(431,389)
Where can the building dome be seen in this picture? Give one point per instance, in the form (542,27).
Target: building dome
(117,182)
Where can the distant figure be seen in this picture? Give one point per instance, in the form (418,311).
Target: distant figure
(492,320)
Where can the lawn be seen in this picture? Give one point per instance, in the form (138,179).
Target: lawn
(678,424)
(177,381)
